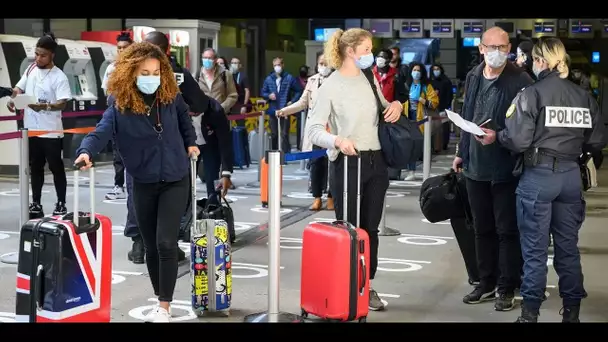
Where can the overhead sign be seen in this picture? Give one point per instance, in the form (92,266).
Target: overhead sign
(545,28)
(472,28)
(140,32)
(580,28)
(179,38)
(605,28)
(410,28)
(440,28)
(381,28)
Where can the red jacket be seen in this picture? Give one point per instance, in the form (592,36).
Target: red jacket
(387,82)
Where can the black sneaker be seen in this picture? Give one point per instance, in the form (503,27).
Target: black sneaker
(60,209)
(505,301)
(527,316)
(479,295)
(36,211)
(570,314)
(137,252)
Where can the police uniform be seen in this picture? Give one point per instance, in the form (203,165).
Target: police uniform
(551,123)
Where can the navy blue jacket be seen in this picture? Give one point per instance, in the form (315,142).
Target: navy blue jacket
(148,158)
(290,91)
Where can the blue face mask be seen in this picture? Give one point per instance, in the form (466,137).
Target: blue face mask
(207,63)
(148,84)
(416,75)
(437,73)
(365,61)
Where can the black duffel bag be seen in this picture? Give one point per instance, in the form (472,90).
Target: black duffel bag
(401,141)
(443,197)
(206,210)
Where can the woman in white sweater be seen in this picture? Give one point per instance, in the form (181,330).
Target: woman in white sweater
(347,102)
(318,167)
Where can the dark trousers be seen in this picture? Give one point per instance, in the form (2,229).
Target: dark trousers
(318,175)
(374,183)
(446,134)
(212,163)
(43,150)
(131,227)
(299,129)
(496,234)
(159,208)
(119,167)
(550,202)
(274,129)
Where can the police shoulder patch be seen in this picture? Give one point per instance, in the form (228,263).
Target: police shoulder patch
(511,110)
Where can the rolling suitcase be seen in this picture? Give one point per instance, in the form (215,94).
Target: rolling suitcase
(335,266)
(209,293)
(64,273)
(241,147)
(264,172)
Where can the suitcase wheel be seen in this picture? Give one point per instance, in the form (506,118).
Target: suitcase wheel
(362,319)
(199,313)
(303,313)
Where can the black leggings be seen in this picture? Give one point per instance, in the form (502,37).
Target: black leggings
(159,208)
(374,183)
(43,150)
(318,175)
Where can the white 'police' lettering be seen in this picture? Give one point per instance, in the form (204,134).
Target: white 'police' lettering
(570,117)
(179,78)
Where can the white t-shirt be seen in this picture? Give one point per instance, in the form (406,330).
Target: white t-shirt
(50,85)
(106,75)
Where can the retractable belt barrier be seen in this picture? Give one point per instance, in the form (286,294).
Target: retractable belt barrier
(38,133)
(63,115)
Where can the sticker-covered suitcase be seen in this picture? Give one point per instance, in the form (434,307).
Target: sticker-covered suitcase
(335,286)
(64,272)
(209,293)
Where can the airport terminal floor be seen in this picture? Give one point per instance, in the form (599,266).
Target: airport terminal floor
(421,274)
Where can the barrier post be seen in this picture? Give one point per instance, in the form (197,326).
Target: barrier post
(383,230)
(274,246)
(24,191)
(261,131)
(426,159)
(303,162)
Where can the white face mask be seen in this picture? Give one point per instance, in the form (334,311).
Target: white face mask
(496,59)
(234,68)
(380,62)
(278,69)
(323,70)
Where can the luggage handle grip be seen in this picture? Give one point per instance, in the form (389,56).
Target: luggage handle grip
(363,275)
(345,223)
(76,213)
(40,294)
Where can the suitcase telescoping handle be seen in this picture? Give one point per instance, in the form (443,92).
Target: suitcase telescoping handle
(91,226)
(193,172)
(279,133)
(345,191)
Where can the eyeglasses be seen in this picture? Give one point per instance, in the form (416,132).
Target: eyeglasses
(491,48)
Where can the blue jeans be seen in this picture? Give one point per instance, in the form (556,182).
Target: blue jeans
(131,227)
(549,201)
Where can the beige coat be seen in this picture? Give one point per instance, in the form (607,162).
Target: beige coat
(306,102)
(224,94)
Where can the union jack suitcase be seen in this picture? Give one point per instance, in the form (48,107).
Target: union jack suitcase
(64,273)
(209,293)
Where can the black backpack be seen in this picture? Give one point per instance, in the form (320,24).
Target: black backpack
(206,210)
(444,197)
(401,141)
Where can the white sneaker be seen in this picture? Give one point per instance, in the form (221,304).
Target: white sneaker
(410,176)
(116,193)
(162,316)
(158,314)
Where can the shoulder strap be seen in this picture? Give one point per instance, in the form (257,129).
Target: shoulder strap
(370,78)
(30,68)
(223,76)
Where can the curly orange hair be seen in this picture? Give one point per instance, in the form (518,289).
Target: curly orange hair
(122,83)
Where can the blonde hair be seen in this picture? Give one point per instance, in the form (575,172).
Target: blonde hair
(553,51)
(335,47)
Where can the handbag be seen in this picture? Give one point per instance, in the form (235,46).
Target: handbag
(444,197)
(401,141)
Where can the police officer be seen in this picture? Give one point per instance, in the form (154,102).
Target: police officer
(551,122)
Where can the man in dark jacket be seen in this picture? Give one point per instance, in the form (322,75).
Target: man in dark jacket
(401,89)
(442,85)
(490,88)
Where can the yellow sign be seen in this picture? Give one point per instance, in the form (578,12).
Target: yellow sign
(511,110)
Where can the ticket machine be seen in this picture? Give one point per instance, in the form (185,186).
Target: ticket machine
(75,60)
(102,55)
(17,53)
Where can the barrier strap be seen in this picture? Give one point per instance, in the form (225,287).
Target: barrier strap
(234,117)
(37,133)
(63,115)
(305,155)
(10,135)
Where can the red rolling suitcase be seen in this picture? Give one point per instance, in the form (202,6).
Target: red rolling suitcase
(335,266)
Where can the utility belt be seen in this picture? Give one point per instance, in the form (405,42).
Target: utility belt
(534,157)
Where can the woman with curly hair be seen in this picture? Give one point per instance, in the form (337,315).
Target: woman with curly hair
(148,118)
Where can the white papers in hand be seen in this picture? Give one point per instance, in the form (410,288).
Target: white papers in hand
(21,101)
(465,125)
